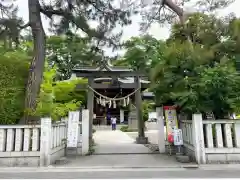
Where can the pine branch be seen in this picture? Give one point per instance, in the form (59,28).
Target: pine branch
(50,12)
(24,26)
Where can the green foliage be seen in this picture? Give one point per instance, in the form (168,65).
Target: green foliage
(61,110)
(76,15)
(177,63)
(45,101)
(196,74)
(69,51)
(168,11)
(126,129)
(14,73)
(200,29)
(65,91)
(195,67)
(67,98)
(140,53)
(146,108)
(9,24)
(215,89)
(190,80)
(56,99)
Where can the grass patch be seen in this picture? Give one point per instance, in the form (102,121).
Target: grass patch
(126,129)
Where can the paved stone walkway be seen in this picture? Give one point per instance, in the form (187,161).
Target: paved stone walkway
(117,142)
(118,149)
(121,161)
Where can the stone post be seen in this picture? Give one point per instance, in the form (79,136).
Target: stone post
(46,136)
(132,118)
(198,139)
(161,132)
(85,131)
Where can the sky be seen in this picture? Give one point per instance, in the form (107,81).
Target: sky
(133,29)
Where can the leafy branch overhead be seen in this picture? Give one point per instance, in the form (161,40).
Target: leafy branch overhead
(10,24)
(170,11)
(68,14)
(77,14)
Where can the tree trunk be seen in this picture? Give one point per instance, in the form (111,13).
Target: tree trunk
(37,64)
(182,16)
(179,11)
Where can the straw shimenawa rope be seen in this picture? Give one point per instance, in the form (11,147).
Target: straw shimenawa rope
(113,99)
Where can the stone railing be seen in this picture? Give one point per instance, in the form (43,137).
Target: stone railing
(187,134)
(211,141)
(58,141)
(34,145)
(221,140)
(19,145)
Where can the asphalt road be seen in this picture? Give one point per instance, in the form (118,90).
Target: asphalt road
(142,173)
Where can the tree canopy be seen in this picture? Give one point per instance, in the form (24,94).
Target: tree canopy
(197,74)
(200,46)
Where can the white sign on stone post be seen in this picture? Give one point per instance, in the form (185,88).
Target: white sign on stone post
(178,139)
(72,133)
(85,131)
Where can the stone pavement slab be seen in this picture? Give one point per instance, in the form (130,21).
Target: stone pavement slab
(124,174)
(117,149)
(122,160)
(112,137)
(117,142)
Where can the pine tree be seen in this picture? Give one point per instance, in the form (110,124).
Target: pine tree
(70,14)
(10,24)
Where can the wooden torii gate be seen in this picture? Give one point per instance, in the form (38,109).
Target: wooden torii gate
(113,72)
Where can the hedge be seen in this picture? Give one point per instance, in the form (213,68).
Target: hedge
(13,77)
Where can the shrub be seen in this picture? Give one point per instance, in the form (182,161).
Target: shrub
(146,108)
(45,104)
(126,129)
(13,73)
(61,110)
(56,99)
(65,91)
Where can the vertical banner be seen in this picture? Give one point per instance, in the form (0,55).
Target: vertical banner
(121,115)
(171,119)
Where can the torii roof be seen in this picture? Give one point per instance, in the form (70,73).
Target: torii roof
(107,66)
(104,65)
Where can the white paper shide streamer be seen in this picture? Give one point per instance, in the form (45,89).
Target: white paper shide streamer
(104,100)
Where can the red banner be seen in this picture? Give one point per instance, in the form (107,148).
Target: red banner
(169,107)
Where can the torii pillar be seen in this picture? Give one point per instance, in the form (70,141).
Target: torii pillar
(90,101)
(141,139)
